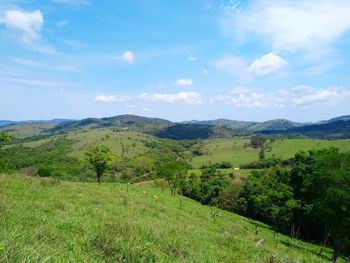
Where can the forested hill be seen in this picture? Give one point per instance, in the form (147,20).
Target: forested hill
(131,122)
(333,129)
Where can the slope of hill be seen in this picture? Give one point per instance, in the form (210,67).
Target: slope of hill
(130,122)
(25,130)
(332,129)
(340,118)
(278,124)
(232,124)
(4,123)
(45,220)
(194,131)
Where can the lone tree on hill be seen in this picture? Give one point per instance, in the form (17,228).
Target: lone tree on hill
(98,158)
(174,173)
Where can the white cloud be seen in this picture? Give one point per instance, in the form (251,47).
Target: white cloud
(185,97)
(191,58)
(184,82)
(112,98)
(300,95)
(290,25)
(28,24)
(267,64)
(146,109)
(331,95)
(129,57)
(205,72)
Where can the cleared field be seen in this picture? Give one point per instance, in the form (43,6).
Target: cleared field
(21,131)
(126,143)
(236,151)
(45,220)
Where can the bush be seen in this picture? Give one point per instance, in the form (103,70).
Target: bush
(45,172)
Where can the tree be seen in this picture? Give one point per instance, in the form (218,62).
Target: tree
(257,141)
(174,173)
(212,183)
(326,189)
(5,137)
(269,198)
(98,158)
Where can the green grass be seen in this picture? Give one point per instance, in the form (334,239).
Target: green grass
(21,131)
(44,220)
(234,150)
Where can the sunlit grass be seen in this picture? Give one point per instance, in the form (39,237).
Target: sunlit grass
(45,220)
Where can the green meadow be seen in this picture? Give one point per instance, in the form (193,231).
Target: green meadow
(47,220)
(236,150)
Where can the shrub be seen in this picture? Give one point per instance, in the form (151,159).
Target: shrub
(45,172)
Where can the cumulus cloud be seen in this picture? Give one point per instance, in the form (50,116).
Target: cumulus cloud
(184,82)
(300,95)
(28,24)
(129,57)
(290,25)
(112,98)
(185,97)
(267,64)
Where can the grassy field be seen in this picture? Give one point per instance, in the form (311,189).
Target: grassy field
(45,220)
(21,131)
(234,150)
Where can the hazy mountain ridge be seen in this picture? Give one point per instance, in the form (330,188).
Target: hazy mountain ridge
(194,129)
(5,123)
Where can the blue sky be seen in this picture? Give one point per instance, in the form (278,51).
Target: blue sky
(179,60)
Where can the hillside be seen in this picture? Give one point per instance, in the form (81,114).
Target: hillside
(249,126)
(194,131)
(46,220)
(279,124)
(330,129)
(121,122)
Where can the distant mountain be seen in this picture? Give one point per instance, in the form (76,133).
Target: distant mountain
(278,124)
(340,118)
(332,128)
(329,130)
(129,122)
(232,124)
(4,123)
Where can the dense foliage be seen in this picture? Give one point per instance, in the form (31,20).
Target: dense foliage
(52,155)
(311,200)
(206,188)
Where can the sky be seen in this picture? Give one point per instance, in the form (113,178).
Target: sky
(179,60)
